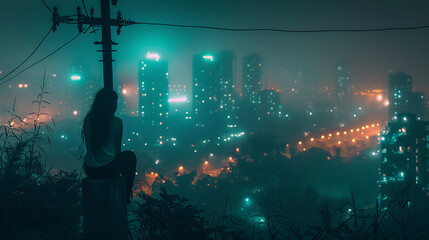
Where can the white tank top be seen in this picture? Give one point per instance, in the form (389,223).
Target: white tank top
(100,158)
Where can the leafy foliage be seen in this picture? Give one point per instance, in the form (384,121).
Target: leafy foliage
(34,203)
(170,217)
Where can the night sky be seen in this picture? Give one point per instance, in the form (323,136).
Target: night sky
(370,55)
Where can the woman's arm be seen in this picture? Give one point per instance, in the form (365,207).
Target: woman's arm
(118,135)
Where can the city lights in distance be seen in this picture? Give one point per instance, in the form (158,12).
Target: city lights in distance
(208,57)
(176,100)
(386,103)
(124,91)
(379,97)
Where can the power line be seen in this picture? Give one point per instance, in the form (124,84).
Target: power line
(42,59)
(84,7)
(285,30)
(46,5)
(29,56)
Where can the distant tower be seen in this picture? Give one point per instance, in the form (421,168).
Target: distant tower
(81,89)
(206,89)
(343,86)
(153,90)
(269,102)
(252,78)
(227,88)
(400,94)
(404,151)
(418,104)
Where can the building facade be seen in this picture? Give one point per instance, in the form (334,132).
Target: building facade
(252,79)
(153,91)
(404,147)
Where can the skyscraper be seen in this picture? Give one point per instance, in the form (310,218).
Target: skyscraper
(269,104)
(343,86)
(227,88)
(206,89)
(400,94)
(252,78)
(404,146)
(418,104)
(153,90)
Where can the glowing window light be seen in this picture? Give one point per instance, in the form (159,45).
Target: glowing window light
(208,57)
(75,77)
(153,56)
(181,99)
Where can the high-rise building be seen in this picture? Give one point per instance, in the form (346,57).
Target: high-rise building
(343,86)
(206,89)
(404,147)
(269,104)
(153,90)
(227,88)
(418,104)
(214,98)
(400,94)
(252,79)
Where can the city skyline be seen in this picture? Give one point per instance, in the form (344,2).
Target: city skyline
(369,54)
(243,108)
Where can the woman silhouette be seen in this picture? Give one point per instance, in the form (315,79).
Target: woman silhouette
(102,132)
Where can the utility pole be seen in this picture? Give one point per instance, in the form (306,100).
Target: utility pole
(106,24)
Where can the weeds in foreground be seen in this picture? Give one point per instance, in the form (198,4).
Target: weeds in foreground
(34,204)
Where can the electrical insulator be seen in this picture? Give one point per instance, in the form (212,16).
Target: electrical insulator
(79,20)
(55,19)
(92,12)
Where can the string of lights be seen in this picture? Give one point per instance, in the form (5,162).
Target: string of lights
(285,30)
(29,56)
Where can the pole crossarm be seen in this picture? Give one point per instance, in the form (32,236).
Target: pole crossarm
(106,23)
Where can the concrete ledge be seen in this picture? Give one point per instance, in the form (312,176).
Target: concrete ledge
(104,209)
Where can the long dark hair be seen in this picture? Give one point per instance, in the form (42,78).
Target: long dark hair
(100,117)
